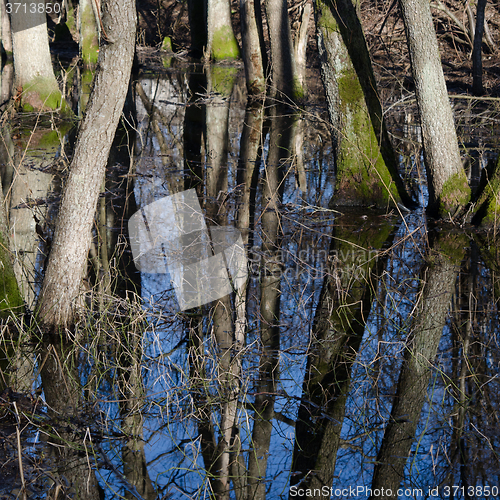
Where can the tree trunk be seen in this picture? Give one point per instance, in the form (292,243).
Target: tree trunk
(366,165)
(32,62)
(448,188)
(284,72)
(10,296)
(252,48)
(72,238)
(221,43)
(300,43)
(439,281)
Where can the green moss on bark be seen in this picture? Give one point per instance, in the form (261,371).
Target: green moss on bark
(222,79)
(362,175)
(452,246)
(224,45)
(455,194)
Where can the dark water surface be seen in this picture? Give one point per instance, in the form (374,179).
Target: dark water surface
(340,317)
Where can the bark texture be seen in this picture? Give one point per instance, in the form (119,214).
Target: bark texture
(448,188)
(252,48)
(72,238)
(89,43)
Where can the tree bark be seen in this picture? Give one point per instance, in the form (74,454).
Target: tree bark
(72,238)
(6,33)
(252,48)
(366,165)
(448,188)
(300,43)
(88,28)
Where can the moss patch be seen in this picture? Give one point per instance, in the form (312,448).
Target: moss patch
(224,45)
(222,78)
(10,296)
(452,246)
(455,194)
(362,175)
(167,44)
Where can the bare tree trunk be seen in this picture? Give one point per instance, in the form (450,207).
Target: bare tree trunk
(72,238)
(448,188)
(6,33)
(252,48)
(300,43)
(88,28)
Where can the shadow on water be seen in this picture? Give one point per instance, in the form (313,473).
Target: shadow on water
(355,351)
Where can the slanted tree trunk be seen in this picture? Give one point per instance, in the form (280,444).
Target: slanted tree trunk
(284,78)
(221,42)
(366,165)
(32,63)
(72,238)
(448,188)
(251,42)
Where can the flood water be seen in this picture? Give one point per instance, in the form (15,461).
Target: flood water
(353,339)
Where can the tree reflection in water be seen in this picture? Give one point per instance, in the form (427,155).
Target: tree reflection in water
(362,351)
